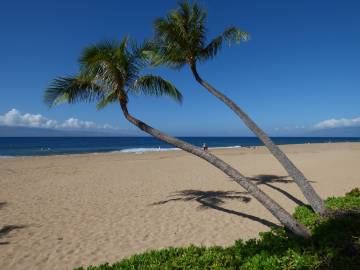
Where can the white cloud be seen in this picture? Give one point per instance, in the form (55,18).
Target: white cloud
(15,118)
(334,123)
(76,123)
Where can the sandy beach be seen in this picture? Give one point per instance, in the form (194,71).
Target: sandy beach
(60,212)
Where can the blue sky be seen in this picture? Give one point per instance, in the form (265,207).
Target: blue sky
(301,66)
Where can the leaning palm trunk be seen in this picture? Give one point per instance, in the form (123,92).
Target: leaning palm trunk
(312,197)
(281,214)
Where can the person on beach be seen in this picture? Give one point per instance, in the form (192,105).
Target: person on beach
(205,147)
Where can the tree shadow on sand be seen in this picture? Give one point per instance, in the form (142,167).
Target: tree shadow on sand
(5,230)
(269,179)
(2,204)
(213,200)
(8,228)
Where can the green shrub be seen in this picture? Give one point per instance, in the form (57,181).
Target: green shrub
(354,193)
(343,203)
(306,216)
(349,203)
(335,244)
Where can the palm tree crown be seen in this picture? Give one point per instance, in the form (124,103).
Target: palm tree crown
(180,37)
(109,71)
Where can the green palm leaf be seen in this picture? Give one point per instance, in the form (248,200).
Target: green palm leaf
(110,98)
(151,85)
(106,62)
(230,35)
(72,90)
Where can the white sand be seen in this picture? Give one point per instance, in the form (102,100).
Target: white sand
(89,209)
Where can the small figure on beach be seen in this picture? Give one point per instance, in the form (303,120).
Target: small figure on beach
(205,147)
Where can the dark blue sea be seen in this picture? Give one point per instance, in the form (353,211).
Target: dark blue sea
(43,146)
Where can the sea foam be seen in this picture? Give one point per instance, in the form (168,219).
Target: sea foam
(154,149)
(150,149)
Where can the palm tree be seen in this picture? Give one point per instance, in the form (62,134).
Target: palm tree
(180,39)
(109,72)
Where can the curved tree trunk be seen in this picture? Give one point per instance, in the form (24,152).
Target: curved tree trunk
(312,197)
(281,214)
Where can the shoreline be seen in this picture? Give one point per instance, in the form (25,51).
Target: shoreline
(144,150)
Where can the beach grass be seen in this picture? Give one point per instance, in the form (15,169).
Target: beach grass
(335,244)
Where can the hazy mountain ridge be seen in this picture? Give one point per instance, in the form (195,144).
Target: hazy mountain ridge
(11,131)
(19,131)
(336,132)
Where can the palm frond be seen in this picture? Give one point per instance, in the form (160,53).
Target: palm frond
(110,98)
(169,55)
(151,54)
(106,61)
(230,35)
(95,53)
(151,85)
(72,90)
(169,47)
(138,57)
(197,27)
(175,38)
(234,34)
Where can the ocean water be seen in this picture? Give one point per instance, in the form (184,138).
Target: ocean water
(43,146)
